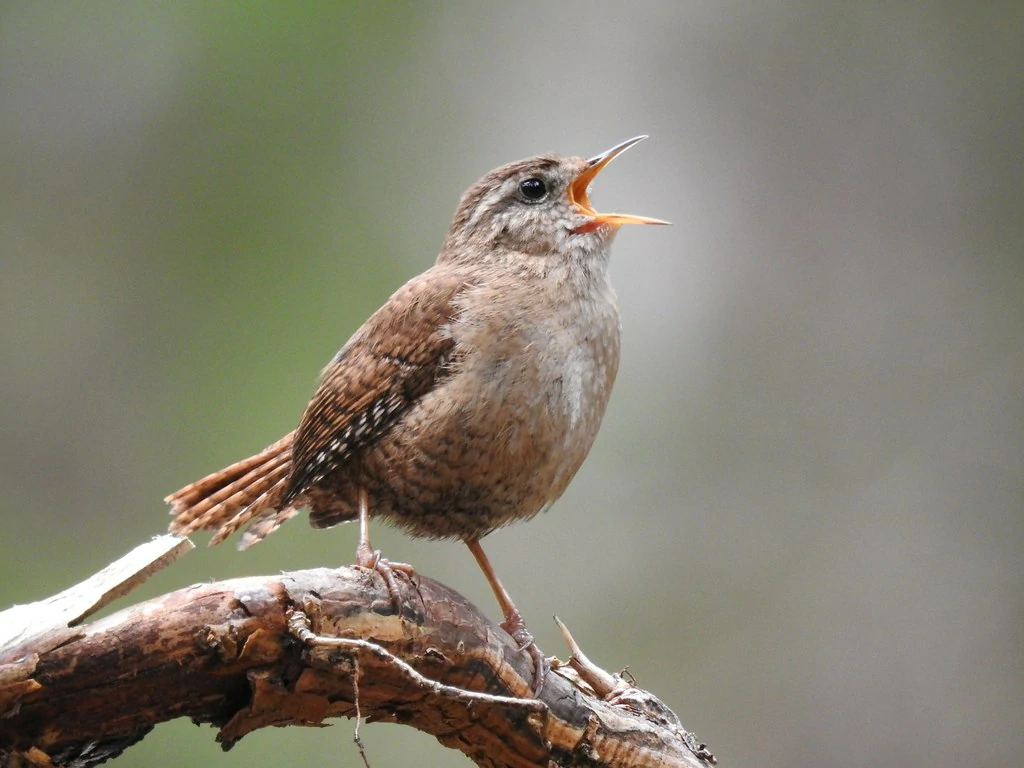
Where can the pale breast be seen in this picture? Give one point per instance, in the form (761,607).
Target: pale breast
(581,386)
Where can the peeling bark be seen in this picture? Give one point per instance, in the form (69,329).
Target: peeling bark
(292,650)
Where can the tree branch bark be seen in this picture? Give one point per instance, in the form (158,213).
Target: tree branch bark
(302,647)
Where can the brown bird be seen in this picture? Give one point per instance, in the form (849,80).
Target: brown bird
(465,403)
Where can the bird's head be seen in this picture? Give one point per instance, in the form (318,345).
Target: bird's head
(539,207)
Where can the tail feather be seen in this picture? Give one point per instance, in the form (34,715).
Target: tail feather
(223,502)
(267,523)
(254,501)
(202,488)
(244,492)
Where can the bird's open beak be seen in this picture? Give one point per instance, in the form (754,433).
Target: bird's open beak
(579,186)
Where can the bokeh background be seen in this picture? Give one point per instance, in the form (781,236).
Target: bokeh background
(802,524)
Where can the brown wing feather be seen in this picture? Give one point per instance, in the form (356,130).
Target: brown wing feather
(400,354)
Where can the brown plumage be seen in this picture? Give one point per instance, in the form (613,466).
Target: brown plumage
(469,400)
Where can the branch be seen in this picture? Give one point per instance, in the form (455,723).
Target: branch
(302,647)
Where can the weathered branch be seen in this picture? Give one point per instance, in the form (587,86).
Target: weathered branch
(294,649)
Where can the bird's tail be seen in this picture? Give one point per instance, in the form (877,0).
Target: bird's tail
(249,492)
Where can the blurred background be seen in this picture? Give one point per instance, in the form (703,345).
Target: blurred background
(803,521)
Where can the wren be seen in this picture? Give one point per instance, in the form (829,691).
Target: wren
(465,403)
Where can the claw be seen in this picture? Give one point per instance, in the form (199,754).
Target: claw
(516,628)
(541,667)
(371,559)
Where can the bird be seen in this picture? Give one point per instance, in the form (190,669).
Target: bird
(468,401)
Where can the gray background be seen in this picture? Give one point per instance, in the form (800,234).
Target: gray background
(802,523)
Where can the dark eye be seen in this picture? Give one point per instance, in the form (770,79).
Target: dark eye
(533,190)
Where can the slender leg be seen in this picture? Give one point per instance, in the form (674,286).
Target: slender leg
(368,557)
(513,623)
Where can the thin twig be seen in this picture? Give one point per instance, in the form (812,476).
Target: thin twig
(359,714)
(299,626)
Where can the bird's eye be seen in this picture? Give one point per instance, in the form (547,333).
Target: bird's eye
(533,190)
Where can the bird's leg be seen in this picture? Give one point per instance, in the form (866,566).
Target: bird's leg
(368,557)
(513,622)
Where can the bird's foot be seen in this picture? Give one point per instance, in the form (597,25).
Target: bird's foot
(516,628)
(372,560)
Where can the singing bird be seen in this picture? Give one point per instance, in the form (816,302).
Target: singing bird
(465,403)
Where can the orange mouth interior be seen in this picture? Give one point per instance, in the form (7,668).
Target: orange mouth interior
(578,192)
